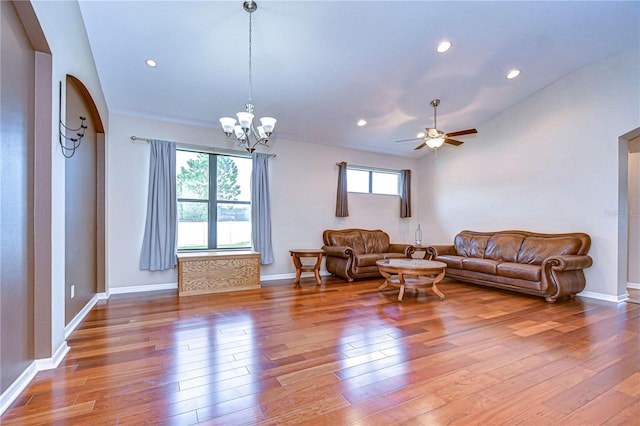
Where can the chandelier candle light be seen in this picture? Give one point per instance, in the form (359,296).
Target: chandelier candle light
(244,132)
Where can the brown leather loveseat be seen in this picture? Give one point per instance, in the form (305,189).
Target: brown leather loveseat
(352,253)
(547,265)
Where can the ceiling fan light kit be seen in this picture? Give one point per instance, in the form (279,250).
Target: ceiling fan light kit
(435,142)
(435,138)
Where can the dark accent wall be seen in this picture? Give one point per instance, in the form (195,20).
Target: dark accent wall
(16,197)
(80,207)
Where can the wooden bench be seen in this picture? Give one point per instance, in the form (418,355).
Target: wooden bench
(205,272)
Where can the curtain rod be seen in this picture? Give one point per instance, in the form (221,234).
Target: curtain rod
(201,147)
(353,166)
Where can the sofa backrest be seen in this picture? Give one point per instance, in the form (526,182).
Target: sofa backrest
(535,250)
(520,246)
(504,246)
(471,244)
(362,241)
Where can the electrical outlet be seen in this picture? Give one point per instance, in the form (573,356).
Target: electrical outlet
(73,291)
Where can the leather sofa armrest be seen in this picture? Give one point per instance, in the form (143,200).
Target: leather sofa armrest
(406,249)
(568,262)
(564,275)
(338,251)
(438,250)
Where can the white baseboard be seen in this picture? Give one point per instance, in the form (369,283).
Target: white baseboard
(20,384)
(605,297)
(276,277)
(635,286)
(73,324)
(290,276)
(174,286)
(141,288)
(16,388)
(53,362)
(42,364)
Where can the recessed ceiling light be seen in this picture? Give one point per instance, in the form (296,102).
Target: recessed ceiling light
(513,73)
(362,122)
(444,46)
(151,63)
(420,135)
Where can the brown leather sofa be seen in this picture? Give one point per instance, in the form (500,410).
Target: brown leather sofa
(352,253)
(547,265)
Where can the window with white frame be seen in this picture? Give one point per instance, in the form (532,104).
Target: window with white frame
(373,181)
(214,200)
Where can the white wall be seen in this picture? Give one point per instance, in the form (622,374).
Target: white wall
(303,179)
(548,164)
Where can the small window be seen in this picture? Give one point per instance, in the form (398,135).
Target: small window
(373,181)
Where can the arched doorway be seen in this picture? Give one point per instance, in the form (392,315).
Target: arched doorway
(84,203)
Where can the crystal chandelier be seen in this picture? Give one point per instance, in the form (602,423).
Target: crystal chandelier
(244,132)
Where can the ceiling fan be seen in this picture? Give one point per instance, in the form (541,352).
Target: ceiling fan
(434,138)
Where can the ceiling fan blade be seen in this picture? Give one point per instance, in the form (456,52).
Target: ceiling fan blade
(409,140)
(453,142)
(462,132)
(422,145)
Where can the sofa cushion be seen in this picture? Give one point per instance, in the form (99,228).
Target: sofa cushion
(535,250)
(520,284)
(351,239)
(523,271)
(504,247)
(369,259)
(451,260)
(394,255)
(470,245)
(486,266)
(375,241)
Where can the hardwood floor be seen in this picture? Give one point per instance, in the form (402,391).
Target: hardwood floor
(342,354)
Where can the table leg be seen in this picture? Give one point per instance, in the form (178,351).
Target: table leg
(401,293)
(316,269)
(385,282)
(438,292)
(298,265)
(436,280)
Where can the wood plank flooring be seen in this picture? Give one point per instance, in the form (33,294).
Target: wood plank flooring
(343,354)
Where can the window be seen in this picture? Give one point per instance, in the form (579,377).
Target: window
(214,201)
(373,181)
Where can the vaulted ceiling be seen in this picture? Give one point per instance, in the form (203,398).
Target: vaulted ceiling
(320,66)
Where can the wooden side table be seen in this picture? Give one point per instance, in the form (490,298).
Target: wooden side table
(296,254)
(420,249)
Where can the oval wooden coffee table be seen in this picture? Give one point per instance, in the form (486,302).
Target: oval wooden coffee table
(411,273)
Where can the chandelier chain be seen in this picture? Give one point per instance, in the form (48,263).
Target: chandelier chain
(250,76)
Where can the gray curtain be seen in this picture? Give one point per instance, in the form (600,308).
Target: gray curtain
(342,202)
(261,208)
(159,245)
(405,193)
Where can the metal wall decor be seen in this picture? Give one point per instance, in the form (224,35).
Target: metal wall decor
(69,150)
